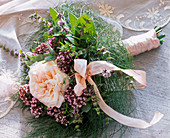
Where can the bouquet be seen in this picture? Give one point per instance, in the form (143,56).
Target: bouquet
(69,75)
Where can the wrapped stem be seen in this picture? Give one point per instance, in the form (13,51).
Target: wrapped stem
(144,42)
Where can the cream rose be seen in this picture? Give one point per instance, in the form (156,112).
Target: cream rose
(47,83)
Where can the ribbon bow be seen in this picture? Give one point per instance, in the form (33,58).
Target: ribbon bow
(85,71)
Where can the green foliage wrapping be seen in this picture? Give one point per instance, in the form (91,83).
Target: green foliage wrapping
(114,89)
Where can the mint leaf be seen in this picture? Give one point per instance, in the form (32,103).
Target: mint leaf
(89,27)
(73,21)
(52,52)
(54,14)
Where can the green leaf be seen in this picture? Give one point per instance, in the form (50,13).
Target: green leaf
(88,99)
(72,40)
(86,108)
(161,41)
(27,78)
(67,43)
(64,81)
(54,14)
(74,37)
(51,55)
(39,57)
(47,54)
(35,58)
(29,63)
(71,120)
(161,36)
(88,23)
(49,58)
(52,52)
(109,58)
(156,30)
(73,21)
(46,36)
(57,34)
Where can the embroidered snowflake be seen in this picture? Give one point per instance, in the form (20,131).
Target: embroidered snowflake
(153,14)
(105,9)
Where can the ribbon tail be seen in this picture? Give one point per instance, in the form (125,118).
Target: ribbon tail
(125,120)
(80,86)
(139,76)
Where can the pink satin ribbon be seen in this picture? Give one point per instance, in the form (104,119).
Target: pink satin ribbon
(141,43)
(85,71)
